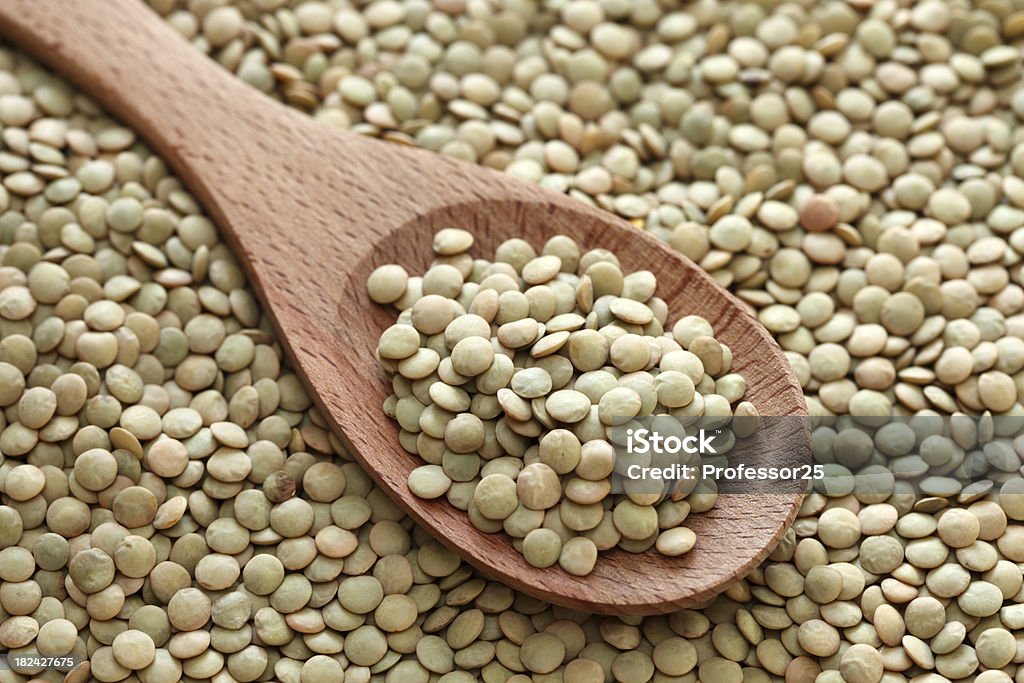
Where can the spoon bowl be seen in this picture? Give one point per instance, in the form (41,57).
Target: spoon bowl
(732,538)
(310,211)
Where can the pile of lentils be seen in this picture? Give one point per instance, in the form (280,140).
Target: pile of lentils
(510,379)
(853,170)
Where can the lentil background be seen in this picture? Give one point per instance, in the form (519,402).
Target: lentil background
(852,170)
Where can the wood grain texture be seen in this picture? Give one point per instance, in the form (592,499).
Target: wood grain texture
(310,211)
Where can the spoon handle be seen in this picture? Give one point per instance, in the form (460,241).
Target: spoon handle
(230,143)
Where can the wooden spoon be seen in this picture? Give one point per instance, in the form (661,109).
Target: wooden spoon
(311,210)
